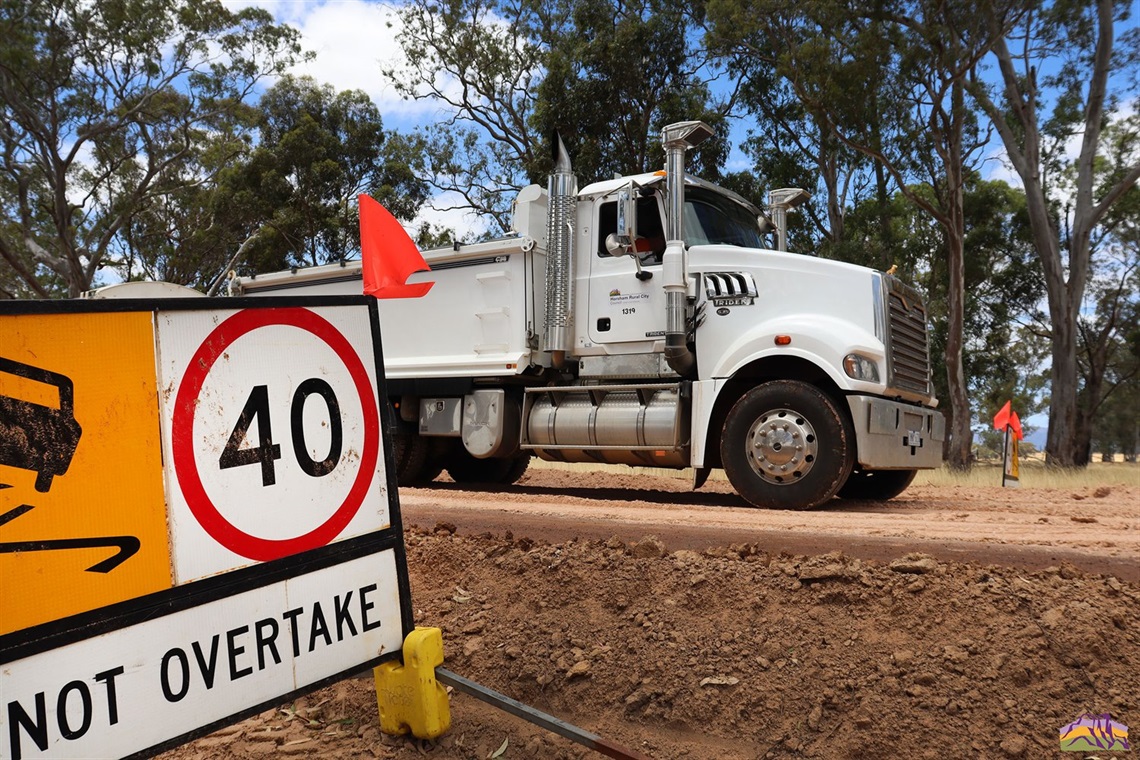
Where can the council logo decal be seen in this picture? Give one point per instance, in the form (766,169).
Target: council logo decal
(616,296)
(1093,732)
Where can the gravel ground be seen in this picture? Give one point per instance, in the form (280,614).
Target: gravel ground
(682,626)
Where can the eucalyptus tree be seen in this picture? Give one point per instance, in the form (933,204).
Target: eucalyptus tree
(476,63)
(615,73)
(790,143)
(289,198)
(1066,74)
(317,150)
(102,108)
(503,74)
(888,81)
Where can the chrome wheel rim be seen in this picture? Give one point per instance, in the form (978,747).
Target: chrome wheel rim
(782,447)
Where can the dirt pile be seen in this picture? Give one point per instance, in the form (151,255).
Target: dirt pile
(736,653)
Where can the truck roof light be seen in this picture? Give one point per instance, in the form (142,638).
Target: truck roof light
(783,340)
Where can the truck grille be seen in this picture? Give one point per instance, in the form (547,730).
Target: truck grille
(908,350)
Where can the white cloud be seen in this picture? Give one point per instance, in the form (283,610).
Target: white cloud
(353,41)
(439,213)
(997,166)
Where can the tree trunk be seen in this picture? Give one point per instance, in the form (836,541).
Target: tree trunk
(1061,445)
(961,432)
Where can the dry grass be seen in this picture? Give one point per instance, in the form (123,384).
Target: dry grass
(1033,474)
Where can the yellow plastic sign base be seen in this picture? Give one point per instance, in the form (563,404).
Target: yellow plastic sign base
(409,697)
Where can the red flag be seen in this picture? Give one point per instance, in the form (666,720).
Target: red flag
(1001,419)
(1015,425)
(389,255)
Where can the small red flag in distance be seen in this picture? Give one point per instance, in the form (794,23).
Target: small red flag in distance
(1015,425)
(1001,419)
(389,256)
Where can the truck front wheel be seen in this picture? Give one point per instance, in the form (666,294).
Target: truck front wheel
(786,445)
(879,485)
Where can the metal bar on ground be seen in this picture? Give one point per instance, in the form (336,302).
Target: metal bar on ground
(537,717)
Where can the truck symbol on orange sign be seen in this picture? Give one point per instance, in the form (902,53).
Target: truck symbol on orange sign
(43,439)
(34,436)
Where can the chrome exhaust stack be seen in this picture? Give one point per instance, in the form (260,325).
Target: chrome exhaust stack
(563,193)
(676,139)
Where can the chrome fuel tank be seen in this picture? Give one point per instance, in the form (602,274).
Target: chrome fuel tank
(617,424)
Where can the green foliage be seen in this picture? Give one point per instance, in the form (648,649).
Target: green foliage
(287,200)
(317,150)
(616,73)
(110,110)
(608,75)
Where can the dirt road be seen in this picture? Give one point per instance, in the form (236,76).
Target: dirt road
(1096,530)
(949,623)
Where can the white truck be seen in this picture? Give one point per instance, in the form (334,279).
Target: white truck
(642,321)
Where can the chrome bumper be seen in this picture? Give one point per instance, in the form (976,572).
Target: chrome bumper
(894,436)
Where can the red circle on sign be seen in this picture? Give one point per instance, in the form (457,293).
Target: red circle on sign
(182,434)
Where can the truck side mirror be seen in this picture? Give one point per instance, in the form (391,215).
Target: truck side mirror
(627,215)
(624,241)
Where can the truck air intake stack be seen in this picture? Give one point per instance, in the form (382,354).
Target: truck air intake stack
(563,191)
(676,139)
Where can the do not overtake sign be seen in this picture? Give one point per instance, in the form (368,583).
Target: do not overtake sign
(265,553)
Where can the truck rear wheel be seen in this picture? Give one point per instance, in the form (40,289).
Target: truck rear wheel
(439,451)
(464,468)
(879,485)
(786,445)
(410,451)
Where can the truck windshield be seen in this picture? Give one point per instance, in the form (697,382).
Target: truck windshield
(713,219)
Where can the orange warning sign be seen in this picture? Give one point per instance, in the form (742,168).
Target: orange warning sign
(82,509)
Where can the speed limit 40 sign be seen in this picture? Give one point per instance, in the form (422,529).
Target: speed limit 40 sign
(273,432)
(196,518)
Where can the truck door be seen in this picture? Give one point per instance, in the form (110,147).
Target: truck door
(624,310)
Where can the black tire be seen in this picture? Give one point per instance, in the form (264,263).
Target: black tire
(879,485)
(464,468)
(438,454)
(516,468)
(410,451)
(786,445)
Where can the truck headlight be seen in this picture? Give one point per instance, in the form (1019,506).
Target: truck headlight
(861,368)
